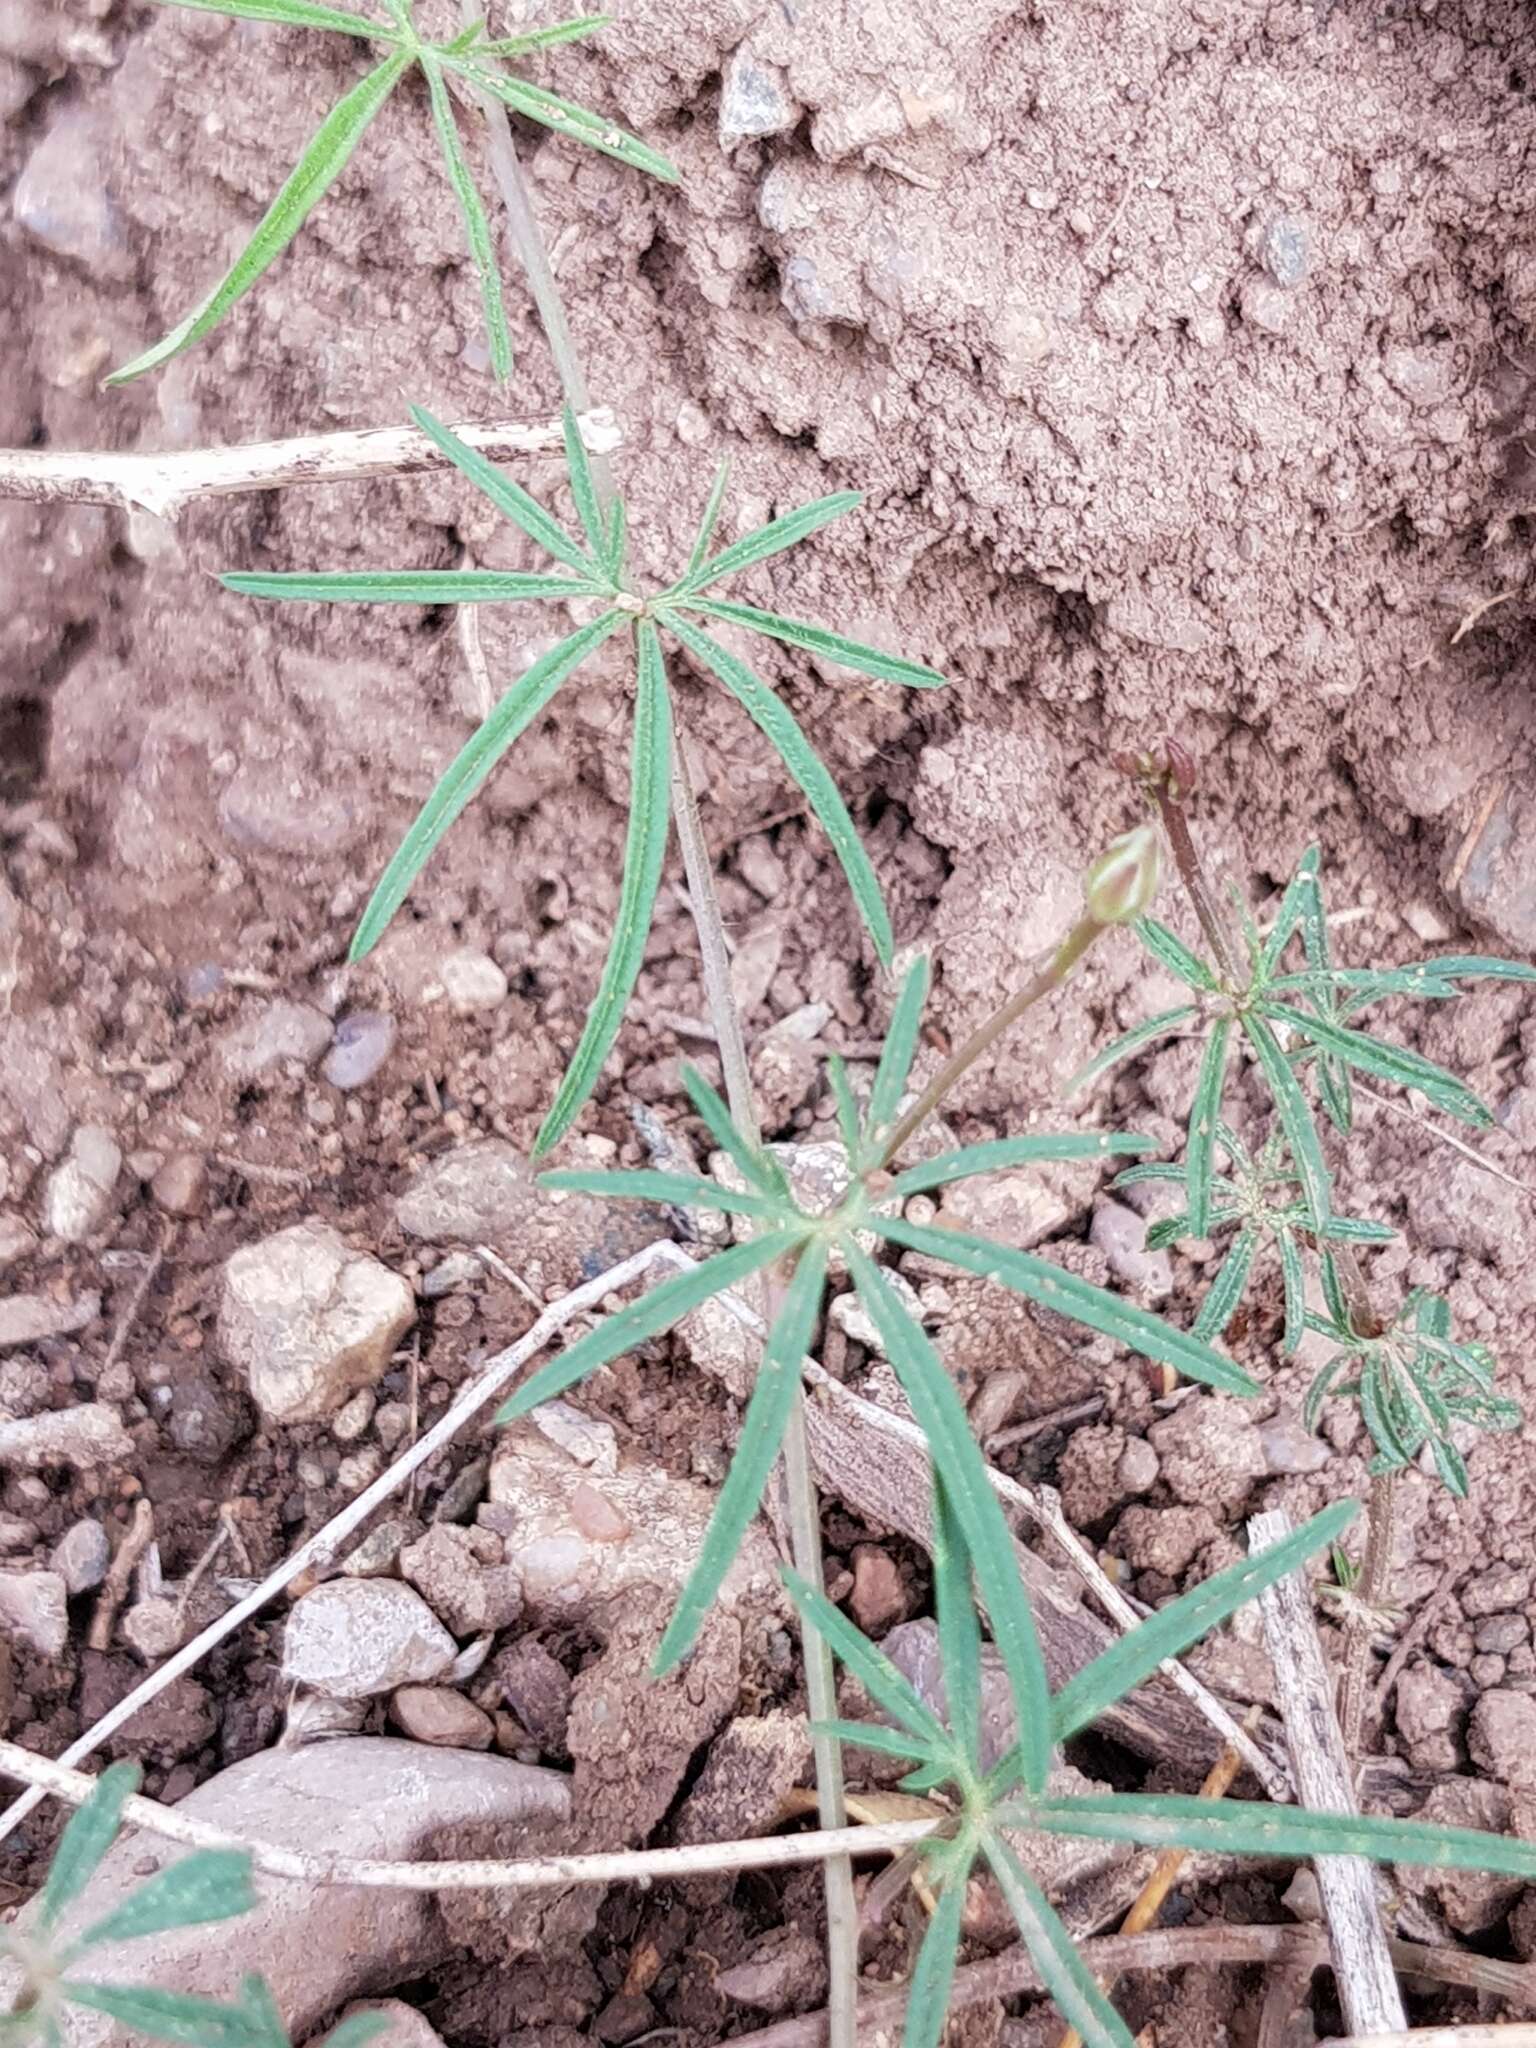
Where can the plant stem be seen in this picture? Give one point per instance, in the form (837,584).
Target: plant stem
(1207,909)
(1051,976)
(800,1486)
(1371,1593)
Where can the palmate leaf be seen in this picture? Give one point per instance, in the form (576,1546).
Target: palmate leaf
(90,1834)
(869,661)
(313,176)
(210,1884)
(409,586)
(477,228)
(1054,1287)
(943,1421)
(644,854)
(1052,1951)
(774,718)
(649,1316)
(516,711)
(1132,1658)
(1002,1152)
(757,1449)
(787,531)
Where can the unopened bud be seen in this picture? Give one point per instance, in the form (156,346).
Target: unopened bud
(1123,880)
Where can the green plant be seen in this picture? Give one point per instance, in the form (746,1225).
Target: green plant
(1412,1381)
(987,1802)
(207,1885)
(799,1245)
(470,59)
(595,567)
(1263,1203)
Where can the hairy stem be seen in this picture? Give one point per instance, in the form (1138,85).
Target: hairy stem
(981,1040)
(800,1486)
(1203,899)
(1371,1595)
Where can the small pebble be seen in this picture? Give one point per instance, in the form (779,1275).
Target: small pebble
(351,1638)
(353,1419)
(472,981)
(155,1628)
(364,1041)
(279,1033)
(33,1609)
(180,1186)
(457,1270)
(78,1198)
(81,1556)
(586,1438)
(16,1240)
(431,1713)
(1287,247)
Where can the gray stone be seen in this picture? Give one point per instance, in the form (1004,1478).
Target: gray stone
(309,1321)
(537,1688)
(364,1041)
(28,1318)
(461,1574)
(16,1240)
(586,1438)
(63,198)
(156,1628)
(78,1198)
(351,1638)
(367,1797)
(1289,1446)
(86,1435)
(1287,250)
(785,1968)
(478,1191)
(34,1610)
(281,1032)
(1501,1736)
(754,99)
(436,1714)
(206,1420)
(457,1270)
(180,1186)
(472,981)
(81,1556)
(1121,1235)
(1210,1451)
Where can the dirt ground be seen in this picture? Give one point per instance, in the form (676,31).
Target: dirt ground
(1185,353)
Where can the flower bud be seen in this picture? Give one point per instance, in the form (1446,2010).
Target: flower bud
(1123,880)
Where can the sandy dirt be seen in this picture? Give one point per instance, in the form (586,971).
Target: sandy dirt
(1184,352)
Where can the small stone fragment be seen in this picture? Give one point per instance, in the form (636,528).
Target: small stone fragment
(785,1971)
(879,1598)
(1287,250)
(586,1438)
(156,1628)
(281,1032)
(457,1270)
(1429,1707)
(472,981)
(460,1574)
(86,1435)
(1289,1446)
(352,1420)
(34,1610)
(206,1420)
(1265,305)
(1101,1469)
(309,1321)
(626,2016)
(753,1764)
(379,1549)
(28,1318)
(849,1314)
(78,1197)
(1501,1736)
(364,1041)
(63,198)
(1163,1540)
(754,99)
(433,1713)
(180,1186)
(81,1556)
(475,1193)
(16,1241)
(1471,1900)
(537,1688)
(1121,1235)
(1495,1591)
(351,1638)
(1210,1451)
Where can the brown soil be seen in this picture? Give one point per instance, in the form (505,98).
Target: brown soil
(1013,273)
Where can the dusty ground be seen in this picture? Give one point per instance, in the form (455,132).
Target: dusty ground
(1184,353)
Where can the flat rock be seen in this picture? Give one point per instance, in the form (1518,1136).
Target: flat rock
(309,1321)
(281,1032)
(81,1556)
(78,1198)
(87,1435)
(754,100)
(34,1611)
(1502,1738)
(753,1764)
(1210,1451)
(63,197)
(537,1688)
(351,1638)
(368,1796)
(461,1575)
(439,1715)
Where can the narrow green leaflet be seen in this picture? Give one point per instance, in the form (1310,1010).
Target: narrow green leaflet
(408,586)
(567,118)
(172,2015)
(317,170)
(1170,951)
(1052,1951)
(1388,1062)
(775,719)
(787,531)
(508,496)
(295,13)
(544,38)
(1293,1280)
(943,1421)
(887,1687)
(959,1632)
(1054,1287)
(1226,1290)
(210,1884)
(583,491)
(87,1838)
(649,1316)
(757,1449)
(1236,1827)
(934,1973)
(645,852)
(1300,906)
(1204,1122)
(477,228)
(869,661)
(679,1190)
(1170,1630)
(759,1168)
(1295,1118)
(1001,1152)
(485,747)
(711,519)
(1478,967)
(1161,1026)
(847,1108)
(884,1741)
(900,1048)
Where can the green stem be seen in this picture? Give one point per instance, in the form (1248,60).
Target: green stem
(704,902)
(1207,909)
(981,1040)
(1372,1596)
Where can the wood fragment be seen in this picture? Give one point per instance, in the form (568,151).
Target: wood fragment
(1368,1987)
(114,1587)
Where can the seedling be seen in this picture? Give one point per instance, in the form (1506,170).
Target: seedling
(207,1885)
(798,1245)
(1263,1204)
(595,567)
(1013,1794)
(471,59)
